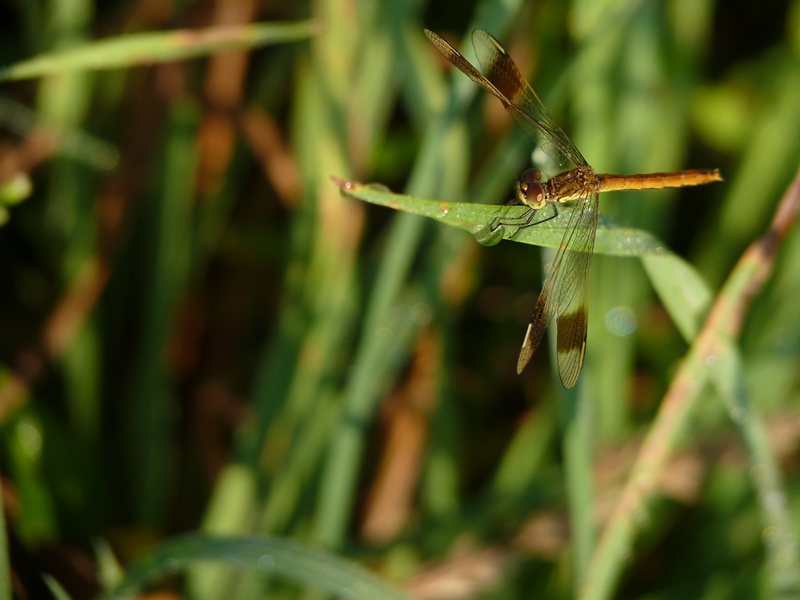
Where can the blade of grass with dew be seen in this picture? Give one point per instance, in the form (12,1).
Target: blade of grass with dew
(168,46)
(289,560)
(674,276)
(680,287)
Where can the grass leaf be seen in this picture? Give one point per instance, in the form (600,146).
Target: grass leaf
(680,287)
(153,47)
(272,555)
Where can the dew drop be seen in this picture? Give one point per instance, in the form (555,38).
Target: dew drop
(621,321)
(774,501)
(265,562)
(771,535)
(645,481)
(488,237)
(738,415)
(30,437)
(96,62)
(172,564)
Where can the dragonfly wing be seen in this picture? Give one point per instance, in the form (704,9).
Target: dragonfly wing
(522,103)
(565,295)
(504,81)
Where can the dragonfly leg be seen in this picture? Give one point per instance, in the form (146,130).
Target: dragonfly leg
(521,221)
(526,219)
(554,206)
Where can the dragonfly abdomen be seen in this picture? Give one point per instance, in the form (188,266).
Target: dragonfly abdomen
(650,181)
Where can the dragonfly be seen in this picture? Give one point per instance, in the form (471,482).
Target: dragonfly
(565,295)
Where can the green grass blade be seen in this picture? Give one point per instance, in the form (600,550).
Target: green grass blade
(612,239)
(284,558)
(59,593)
(683,291)
(154,47)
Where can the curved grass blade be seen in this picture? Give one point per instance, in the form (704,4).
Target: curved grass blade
(272,555)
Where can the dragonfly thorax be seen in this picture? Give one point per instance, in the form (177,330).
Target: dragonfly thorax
(580,182)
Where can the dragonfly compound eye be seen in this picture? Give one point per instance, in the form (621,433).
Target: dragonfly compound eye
(533,193)
(531,176)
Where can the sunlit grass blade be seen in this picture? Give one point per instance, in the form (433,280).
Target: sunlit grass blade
(59,593)
(154,47)
(612,238)
(680,287)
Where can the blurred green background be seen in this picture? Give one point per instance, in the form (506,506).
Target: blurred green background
(199,334)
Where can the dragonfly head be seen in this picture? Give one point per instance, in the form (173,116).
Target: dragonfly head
(529,191)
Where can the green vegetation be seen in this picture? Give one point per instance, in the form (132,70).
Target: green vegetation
(224,375)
